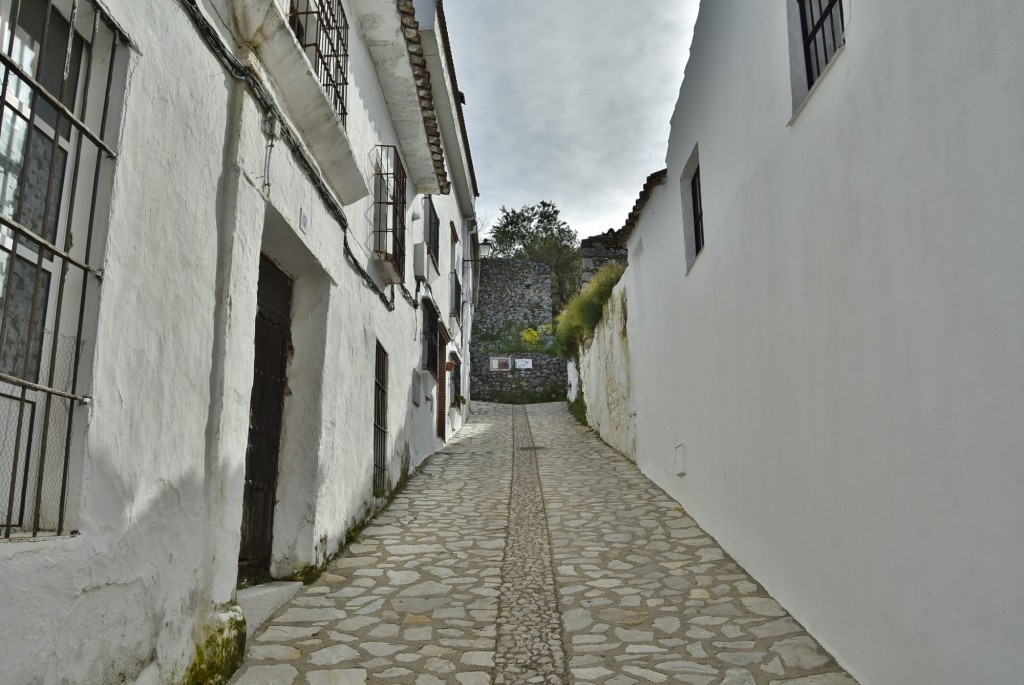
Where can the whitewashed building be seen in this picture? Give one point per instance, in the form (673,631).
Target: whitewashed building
(825,300)
(237,255)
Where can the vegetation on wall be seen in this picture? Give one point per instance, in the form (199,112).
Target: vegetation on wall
(535,232)
(578,408)
(583,312)
(515,338)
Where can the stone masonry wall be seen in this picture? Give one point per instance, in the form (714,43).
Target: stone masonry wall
(545,382)
(514,294)
(598,251)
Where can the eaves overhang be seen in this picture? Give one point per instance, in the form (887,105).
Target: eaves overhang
(263,26)
(391,33)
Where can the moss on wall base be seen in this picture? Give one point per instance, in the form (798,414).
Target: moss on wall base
(219,650)
(578,408)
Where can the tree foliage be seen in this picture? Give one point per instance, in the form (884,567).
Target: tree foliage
(536,233)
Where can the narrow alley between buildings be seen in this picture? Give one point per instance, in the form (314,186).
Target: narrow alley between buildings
(528,551)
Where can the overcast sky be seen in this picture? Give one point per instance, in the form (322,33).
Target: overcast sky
(569,100)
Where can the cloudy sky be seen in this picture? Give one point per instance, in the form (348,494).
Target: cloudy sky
(569,100)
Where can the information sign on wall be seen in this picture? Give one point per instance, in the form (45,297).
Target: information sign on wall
(524,363)
(501,364)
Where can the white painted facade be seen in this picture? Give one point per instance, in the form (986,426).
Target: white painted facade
(203,185)
(839,373)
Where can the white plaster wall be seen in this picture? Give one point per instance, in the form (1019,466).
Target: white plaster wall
(194,203)
(605,373)
(843,364)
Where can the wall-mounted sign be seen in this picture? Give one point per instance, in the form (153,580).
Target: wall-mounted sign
(501,364)
(524,363)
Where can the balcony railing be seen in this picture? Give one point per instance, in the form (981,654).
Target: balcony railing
(389,187)
(321,28)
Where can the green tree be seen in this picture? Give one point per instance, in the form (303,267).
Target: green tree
(536,233)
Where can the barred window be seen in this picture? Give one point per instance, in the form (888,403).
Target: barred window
(61,61)
(698,212)
(456,375)
(389,189)
(321,28)
(433,231)
(380,422)
(823,29)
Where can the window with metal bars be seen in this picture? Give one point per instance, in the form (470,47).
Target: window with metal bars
(823,30)
(389,211)
(61,77)
(433,231)
(456,296)
(430,346)
(698,213)
(321,28)
(380,423)
(456,375)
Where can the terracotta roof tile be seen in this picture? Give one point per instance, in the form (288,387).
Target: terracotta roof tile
(653,181)
(422,74)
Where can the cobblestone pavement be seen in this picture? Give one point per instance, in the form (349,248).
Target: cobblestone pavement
(528,551)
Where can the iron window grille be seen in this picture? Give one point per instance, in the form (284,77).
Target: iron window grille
(456,297)
(433,229)
(389,209)
(430,333)
(698,213)
(61,60)
(823,25)
(321,28)
(380,422)
(456,384)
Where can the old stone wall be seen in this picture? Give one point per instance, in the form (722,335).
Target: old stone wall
(513,292)
(599,251)
(545,382)
(514,295)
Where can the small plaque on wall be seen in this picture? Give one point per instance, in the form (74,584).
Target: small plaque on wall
(524,363)
(501,364)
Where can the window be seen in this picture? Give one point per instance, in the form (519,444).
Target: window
(58,120)
(698,213)
(389,212)
(380,423)
(430,337)
(433,231)
(822,32)
(456,297)
(321,28)
(693,210)
(457,385)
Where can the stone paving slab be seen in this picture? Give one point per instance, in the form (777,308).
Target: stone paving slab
(445,587)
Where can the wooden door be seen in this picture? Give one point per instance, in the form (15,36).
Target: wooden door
(266,409)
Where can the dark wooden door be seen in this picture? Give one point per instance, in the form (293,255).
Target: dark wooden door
(273,339)
(442,383)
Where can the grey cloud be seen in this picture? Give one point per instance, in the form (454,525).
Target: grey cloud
(569,100)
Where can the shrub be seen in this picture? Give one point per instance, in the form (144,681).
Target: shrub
(580,317)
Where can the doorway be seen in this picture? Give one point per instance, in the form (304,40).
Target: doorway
(266,409)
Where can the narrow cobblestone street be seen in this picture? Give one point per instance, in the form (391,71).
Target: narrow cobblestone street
(528,551)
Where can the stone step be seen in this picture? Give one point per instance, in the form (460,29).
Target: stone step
(258,603)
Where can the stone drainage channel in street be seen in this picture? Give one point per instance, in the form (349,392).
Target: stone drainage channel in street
(528,551)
